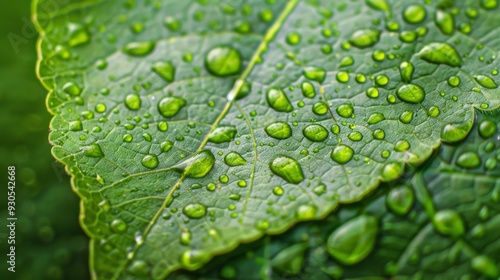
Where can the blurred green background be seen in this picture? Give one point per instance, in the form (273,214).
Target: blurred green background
(49,241)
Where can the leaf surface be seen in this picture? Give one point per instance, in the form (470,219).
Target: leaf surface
(192,126)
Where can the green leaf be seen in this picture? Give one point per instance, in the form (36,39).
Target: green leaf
(441,224)
(149,101)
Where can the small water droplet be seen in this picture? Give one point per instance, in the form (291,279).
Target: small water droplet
(150,161)
(406,71)
(306,212)
(365,38)
(279,130)
(195,210)
(320,108)
(445,22)
(487,129)
(375,118)
(315,132)
(380,5)
(448,222)
(414,14)
(165,70)
(133,102)
(308,90)
(139,48)
(411,93)
(223,61)
(118,225)
(278,100)
(314,73)
(345,110)
(78,34)
(94,151)
(222,134)
(372,92)
(170,106)
(392,171)
(342,154)
(234,159)
(400,200)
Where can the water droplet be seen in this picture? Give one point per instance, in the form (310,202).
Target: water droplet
(223,61)
(278,100)
(172,24)
(408,36)
(406,117)
(469,160)
(487,128)
(139,268)
(380,5)
(71,89)
(166,146)
(485,81)
(165,70)
(401,146)
(195,210)
(392,171)
(345,110)
(139,48)
(400,200)
(78,35)
(355,136)
(342,154)
(489,4)
(75,126)
(433,112)
(453,133)
(411,93)
(375,118)
(445,22)
(382,80)
(346,61)
(378,55)
(360,78)
(185,237)
(194,259)
(315,73)
(118,225)
(454,81)
(222,134)
(287,168)
(342,77)
(441,53)
(414,14)
(448,222)
(320,108)
(308,90)
(483,264)
(94,151)
(379,134)
(315,132)
(290,260)
(133,102)
(305,212)
(354,240)
(279,130)
(278,191)
(170,106)
(293,38)
(365,38)
(406,70)
(150,161)
(234,159)
(198,165)
(372,92)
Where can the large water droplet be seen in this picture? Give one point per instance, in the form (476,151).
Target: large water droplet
(448,222)
(342,154)
(345,110)
(133,102)
(375,118)
(354,240)
(198,165)
(223,61)
(308,90)
(445,22)
(411,93)
(320,108)
(222,134)
(469,160)
(441,53)
(195,210)
(279,130)
(414,14)
(392,171)
(234,159)
(487,128)
(315,132)
(315,73)
(406,70)
(170,106)
(453,133)
(485,81)
(380,5)
(365,38)
(287,168)
(165,70)
(278,100)
(139,48)
(400,200)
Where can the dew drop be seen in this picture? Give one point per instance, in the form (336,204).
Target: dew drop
(314,73)
(441,53)
(342,77)
(451,133)
(78,35)
(411,93)
(406,117)
(454,81)
(345,110)
(150,161)
(293,38)
(234,159)
(469,160)
(75,126)
(305,212)
(375,118)
(342,154)
(483,264)
(223,61)
(308,90)
(198,165)
(71,89)
(401,146)
(118,225)
(139,48)
(195,210)
(380,5)
(315,132)
(278,100)
(487,129)
(346,61)
(392,171)
(400,200)
(354,240)
(94,151)
(485,81)
(355,136)
(379,134)
(170,106)
(222,134)
(489,4)
(445,22)
(279,130)
(372,92)
(166,70)
(133,102)
(414,14)
(406,71)
(448,222)
(365,38)
(320,108)
(194,259)
(287,168)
